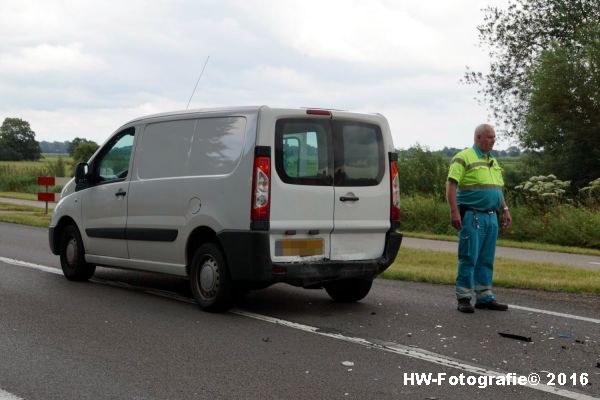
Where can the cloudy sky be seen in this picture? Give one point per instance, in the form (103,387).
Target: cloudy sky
(76,68)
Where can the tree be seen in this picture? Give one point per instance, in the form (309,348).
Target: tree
(543,84)
(17,141)
(515,38)
(75,143)
(84,151)
(563,116)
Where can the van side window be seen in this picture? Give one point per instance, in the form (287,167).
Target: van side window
(302,148)
(193,147)
(114,164)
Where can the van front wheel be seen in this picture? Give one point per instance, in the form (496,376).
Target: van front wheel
(72,256)
(209,279)
(348,290)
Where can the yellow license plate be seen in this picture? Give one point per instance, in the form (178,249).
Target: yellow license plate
(299,247)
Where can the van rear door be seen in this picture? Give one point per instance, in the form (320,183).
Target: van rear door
(362,191)
(331,193)
(302,191)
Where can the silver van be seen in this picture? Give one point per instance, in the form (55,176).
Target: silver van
(237,199)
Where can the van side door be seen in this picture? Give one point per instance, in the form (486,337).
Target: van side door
(104,203)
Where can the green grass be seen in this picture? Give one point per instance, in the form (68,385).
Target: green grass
(24,215)
(513,243)
(440,268)
(40,220)
(17,207)
(19,195)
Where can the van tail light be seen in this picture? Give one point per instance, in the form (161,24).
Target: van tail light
(261,189)
(394,189)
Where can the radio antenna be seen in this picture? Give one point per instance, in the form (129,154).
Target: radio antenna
(195,87)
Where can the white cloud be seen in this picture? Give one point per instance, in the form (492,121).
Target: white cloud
(76,68)
(45,57)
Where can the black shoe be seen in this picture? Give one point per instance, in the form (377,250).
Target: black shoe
(464,305)
(492,305)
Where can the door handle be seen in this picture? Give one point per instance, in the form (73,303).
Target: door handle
(121,193)
(348,198)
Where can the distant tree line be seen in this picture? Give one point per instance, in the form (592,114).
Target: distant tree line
(449,152)
(55,147)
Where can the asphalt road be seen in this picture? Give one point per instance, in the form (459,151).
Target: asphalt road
(134,335)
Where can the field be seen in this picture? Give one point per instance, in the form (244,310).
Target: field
(20,176)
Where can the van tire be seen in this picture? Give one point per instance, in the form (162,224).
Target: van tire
(72,256)
(210,280)
(348,290)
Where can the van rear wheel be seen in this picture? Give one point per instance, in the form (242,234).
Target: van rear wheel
(348,290)
(209,279)
(72,256)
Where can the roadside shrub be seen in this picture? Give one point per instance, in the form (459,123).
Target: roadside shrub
(543,192)
(563,225)
(422,172)
(590,195)
(425,214)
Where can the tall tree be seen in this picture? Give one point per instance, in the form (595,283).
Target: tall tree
(17,140)
(563,116)
(515,37)
(542,86)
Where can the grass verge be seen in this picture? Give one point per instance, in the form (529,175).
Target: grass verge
(24,215)
(440,267)
(19,195)
(513,243)
(40,220)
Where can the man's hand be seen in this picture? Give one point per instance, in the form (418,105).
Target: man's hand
(456,220)
(451,187)
(507,219)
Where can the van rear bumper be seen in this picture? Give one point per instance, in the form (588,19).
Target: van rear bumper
(249,261)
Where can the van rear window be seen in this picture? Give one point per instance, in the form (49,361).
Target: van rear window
(303,152)
(309,150)
(359,157)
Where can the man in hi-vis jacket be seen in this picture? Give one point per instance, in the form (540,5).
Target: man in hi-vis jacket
(474,194)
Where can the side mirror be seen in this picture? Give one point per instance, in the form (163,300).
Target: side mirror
(81,176)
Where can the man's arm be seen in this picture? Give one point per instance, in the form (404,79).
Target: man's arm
(451,186)
(507,218)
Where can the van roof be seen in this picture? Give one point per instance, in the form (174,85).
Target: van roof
(197,111)
(240,109)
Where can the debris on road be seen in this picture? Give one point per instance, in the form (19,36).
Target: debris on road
(516,337)
(347,363)
(565,336)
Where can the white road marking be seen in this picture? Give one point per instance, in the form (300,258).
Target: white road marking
(4,395)
(556,314)
(391,347)
(595,263)
(412,352)
(31,265)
